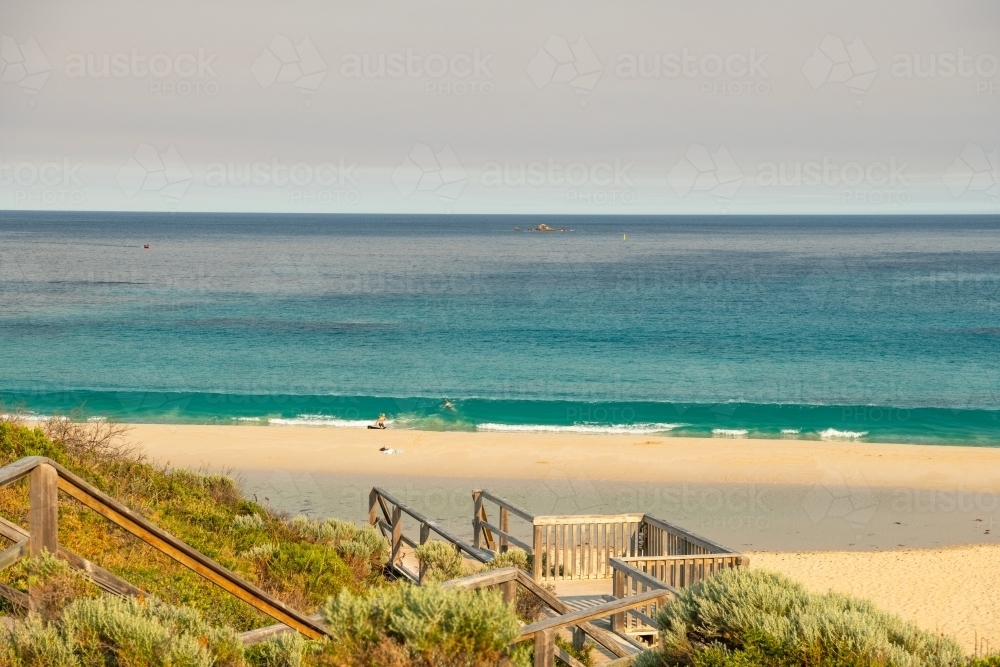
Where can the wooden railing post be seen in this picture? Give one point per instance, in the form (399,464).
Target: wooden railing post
(373,508)
(536,550)
(477,527)
(425,533)
(618,620)
(43,515)
(545,649)
(508,590)
(397,533)
(505,527)
(579,637)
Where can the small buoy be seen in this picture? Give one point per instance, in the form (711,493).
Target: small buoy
(145,246)
(623,237)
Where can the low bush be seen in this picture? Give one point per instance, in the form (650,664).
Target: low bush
(111,631)
(301,562)
(425,626)
(752,617)
(439,561)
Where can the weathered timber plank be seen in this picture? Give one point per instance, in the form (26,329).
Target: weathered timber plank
(43,515)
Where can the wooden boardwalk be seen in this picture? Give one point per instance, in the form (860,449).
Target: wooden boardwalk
(602,577)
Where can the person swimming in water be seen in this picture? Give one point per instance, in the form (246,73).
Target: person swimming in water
(447,405)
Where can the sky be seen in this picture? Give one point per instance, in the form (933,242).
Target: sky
(532,107)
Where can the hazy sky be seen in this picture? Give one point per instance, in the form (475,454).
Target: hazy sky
(513,107)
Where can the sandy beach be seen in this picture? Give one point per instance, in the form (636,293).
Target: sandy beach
(953,591)
(912,527)
(625,458)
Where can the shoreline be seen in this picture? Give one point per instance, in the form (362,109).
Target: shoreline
(534,455)
(777,495)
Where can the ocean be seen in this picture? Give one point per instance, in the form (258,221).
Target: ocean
(882,329)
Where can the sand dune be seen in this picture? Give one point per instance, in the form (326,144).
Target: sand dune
(954,591)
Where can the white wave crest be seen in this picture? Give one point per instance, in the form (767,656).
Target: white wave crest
(322,420)
(26,416)
(791,431)
(834,434)
(610,429)
(730,432)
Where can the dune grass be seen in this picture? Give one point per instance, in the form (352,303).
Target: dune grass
(301,562)
(753,617)
(425,626)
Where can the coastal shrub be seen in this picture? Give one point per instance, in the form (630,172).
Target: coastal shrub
(114,631)
(986,661)
(200,509)
(287,650)
(510,558)
(418,626)
(744,617)
(363,549)
(51,582)
(439,561)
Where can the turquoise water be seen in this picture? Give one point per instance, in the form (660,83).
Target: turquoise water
(882,329)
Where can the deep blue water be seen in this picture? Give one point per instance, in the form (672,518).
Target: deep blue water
(886,326)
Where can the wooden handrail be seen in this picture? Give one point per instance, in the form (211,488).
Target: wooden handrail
(622,565)
(42,534)
(390,525)
(433,527)
(591,613)
(271,631)
(510,538)
(703,542)
(508,574)
(511,507)
(555,519)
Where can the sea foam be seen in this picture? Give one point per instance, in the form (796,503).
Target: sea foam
(730,432)
(611,429)
(834,434)
(322,420)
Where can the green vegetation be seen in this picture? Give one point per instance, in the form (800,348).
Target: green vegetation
(301,562)
(439,561)
(740,618)
(753,617)
(426,626)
